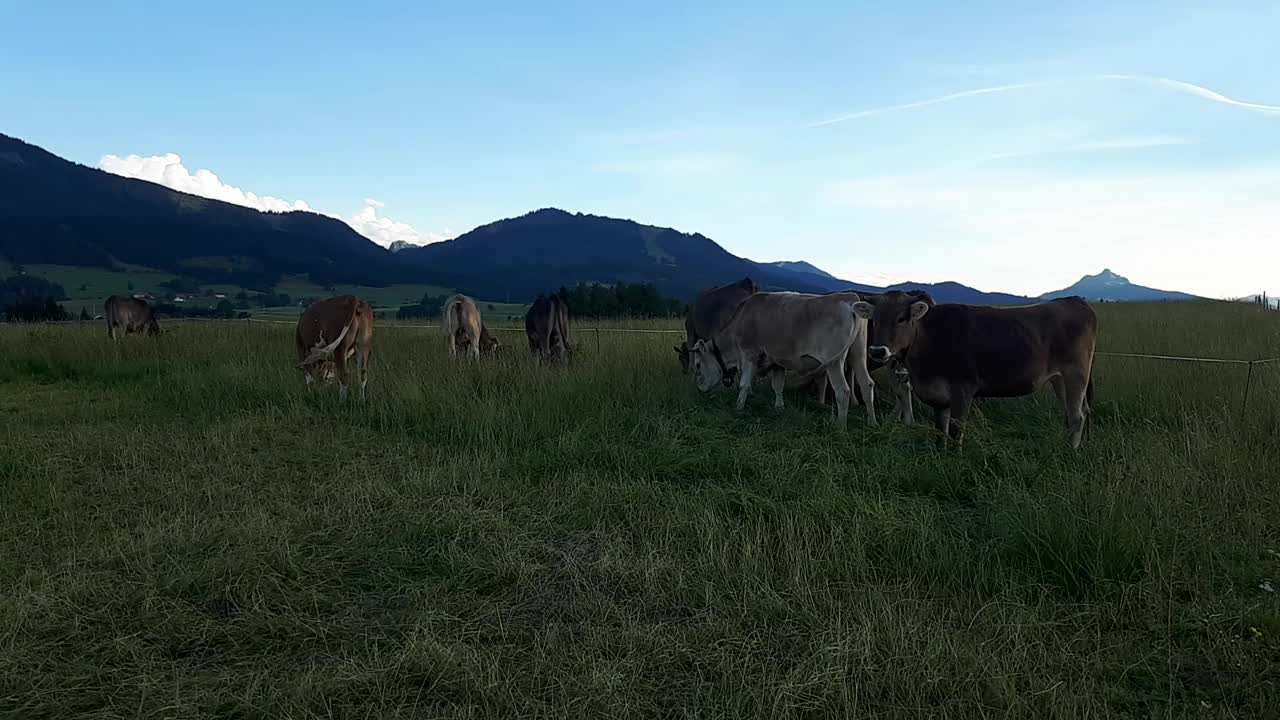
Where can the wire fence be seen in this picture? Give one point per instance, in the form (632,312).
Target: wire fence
(596,331)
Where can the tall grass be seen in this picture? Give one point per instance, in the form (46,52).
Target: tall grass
(184,532)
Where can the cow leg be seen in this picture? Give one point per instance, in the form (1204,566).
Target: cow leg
(1075,383)
(822,389)
(340,369)
(835,376)
(902,398)
(362,358)
(942,421)
(746,369)
(474,350)
(778,378)
(961,400)
(859,372)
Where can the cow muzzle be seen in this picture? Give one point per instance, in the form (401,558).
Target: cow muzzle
(879,353)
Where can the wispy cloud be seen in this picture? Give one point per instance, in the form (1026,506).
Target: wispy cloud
(924,103)
(1119,143)
(1196,90)
(168,170)
(1176,85)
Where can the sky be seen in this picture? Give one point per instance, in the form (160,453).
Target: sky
(1008,146)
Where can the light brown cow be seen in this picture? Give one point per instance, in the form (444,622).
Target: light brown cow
(462,325)
(346,319)
(488,343)
(125,315)
(794,333)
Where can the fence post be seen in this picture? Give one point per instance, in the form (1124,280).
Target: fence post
(597,341)
(1248,382)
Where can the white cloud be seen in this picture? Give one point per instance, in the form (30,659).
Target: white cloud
(1216,235)
(168,170)
(1177,85)
(385,231)
(1198,91)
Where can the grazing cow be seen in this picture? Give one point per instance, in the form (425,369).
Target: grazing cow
(125,315)
(956,353)
(791,332)
(547,326)
(488,343)
(709,313)
(462,325)
(346,319)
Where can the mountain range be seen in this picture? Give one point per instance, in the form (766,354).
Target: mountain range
(58,212)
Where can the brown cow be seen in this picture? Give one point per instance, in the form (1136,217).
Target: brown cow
(791,332)
(346,319)
(462,325)
(956,353)
(547,326)
(902,407)
(125,315)
(710,310)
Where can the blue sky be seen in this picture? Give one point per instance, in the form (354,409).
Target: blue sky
(1003,145)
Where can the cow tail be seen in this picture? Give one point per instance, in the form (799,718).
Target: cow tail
(1088,391)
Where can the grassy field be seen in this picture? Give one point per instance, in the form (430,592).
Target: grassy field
(184,532)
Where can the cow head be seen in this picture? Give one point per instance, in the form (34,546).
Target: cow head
(682,351)
(488,343)
(893,324)
(708,366)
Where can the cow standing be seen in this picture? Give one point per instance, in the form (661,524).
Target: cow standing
(710,311)
(902,406)
(547,326)
(346,319)
(125,315)
(462,326)
(791,332)
(956,353)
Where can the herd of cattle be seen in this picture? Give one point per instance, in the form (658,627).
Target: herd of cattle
(946,355)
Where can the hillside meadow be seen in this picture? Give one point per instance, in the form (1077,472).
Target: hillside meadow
(186,533)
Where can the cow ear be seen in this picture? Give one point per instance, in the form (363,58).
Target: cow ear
(918,309)
(863,309)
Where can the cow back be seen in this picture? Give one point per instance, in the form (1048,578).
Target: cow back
(713,308)
(1002,351)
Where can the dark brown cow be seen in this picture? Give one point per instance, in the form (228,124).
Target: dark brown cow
(125,315)
(334,330)
(956,353)
(709,313)
(547,325)
(901,380)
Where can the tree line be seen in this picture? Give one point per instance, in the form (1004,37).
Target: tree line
(621,300)
(26,298)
